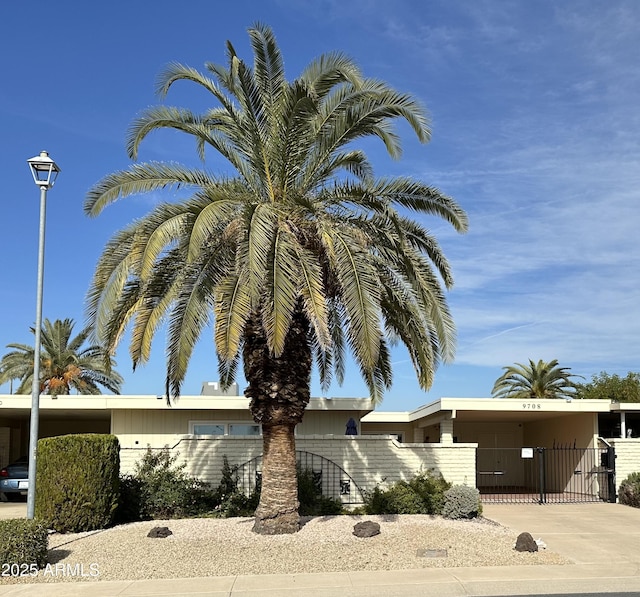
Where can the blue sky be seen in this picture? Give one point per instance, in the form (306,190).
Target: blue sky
(536,132)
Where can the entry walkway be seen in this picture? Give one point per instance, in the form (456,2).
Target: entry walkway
(602,539)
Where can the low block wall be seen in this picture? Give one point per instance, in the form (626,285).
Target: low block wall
(368,460)
(627,457)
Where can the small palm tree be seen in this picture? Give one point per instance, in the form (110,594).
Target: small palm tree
(64,364)
(535,380)
(299,256)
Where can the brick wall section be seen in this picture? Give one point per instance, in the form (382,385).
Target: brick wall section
(627,457)
(369,460)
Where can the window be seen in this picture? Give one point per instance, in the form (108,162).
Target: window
(215,428)
(207,429)
(243,429)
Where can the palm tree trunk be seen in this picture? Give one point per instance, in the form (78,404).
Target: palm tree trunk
(279,389)
(277,512)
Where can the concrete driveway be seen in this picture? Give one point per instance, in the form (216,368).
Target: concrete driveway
(593,533)
(13,510)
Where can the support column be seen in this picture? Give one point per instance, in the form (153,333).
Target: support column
(623,424)
(446,432)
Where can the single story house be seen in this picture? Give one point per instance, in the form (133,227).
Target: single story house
(503,447)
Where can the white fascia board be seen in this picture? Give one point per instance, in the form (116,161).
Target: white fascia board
(386,417)
(341,404)
(624,406)
(518,405)
(146,402)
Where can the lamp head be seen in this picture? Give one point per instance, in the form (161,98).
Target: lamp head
(44,170)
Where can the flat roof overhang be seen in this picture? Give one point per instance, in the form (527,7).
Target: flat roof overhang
(490,409)
(67,404)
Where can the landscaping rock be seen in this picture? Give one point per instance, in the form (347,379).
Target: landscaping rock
(525,542)
(159,532)
(367,528)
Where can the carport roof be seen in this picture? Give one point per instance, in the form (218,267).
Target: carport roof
(475,409)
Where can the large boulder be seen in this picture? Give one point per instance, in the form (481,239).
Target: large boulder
(525,542)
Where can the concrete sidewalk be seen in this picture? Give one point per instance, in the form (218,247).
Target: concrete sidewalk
(602,539)
(451,582)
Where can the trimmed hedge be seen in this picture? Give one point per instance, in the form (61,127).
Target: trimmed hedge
(23,545)
(77,484)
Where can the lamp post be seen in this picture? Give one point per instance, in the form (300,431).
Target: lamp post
(44,171)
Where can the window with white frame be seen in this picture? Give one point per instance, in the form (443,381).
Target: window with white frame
(223,428)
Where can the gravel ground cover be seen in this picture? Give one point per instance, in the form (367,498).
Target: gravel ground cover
(222,547)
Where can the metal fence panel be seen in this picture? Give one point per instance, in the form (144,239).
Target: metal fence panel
(562,474)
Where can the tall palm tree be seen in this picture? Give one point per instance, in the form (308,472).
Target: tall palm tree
(64,364)
(536,381)
(298,257)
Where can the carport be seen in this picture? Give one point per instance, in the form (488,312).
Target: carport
(528,450)
(75,414)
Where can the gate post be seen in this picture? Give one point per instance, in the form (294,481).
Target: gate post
(611,474)
(541,478)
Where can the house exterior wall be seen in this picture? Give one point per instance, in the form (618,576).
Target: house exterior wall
(406,430)
(137,428)
(368,460)
(580,428)
(489,434)
(627,457)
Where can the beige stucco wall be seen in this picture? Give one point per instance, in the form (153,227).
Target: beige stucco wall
(489,434)
(144,426)
(581,429)
(369,460)
(406,430)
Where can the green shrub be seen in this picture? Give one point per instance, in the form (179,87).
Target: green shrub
(23,544)
(629,491)
(130,502)
(461,501)
(431,488)
(160,489)
(424,494)
(77,484)
(312,502)
(233,502)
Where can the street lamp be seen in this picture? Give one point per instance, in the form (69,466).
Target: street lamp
(44,171)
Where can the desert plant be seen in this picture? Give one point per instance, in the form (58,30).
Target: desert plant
(165,490)
(130,502)
(461,501)
(77,480)
(23,546)
(424,494)
(312,501)
(430,487)
(629,491)
(233,502)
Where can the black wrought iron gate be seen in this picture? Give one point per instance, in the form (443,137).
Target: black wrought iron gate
(562,474)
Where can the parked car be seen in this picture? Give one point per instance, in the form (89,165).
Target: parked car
(14,479)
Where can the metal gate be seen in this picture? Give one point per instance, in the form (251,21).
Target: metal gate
(562,474)
(330,479)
